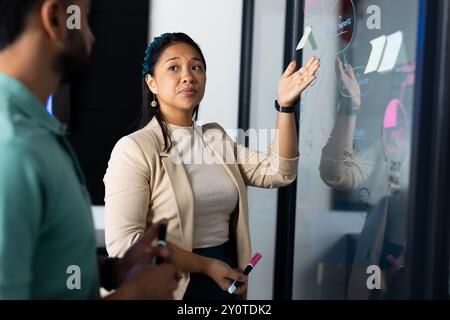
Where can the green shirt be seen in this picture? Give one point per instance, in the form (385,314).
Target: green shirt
(47,237)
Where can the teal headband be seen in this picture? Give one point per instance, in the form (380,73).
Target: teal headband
(149,52)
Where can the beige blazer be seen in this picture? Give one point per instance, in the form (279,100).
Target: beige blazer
(143,184)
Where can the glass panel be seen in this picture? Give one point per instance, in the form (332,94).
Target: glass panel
(355,141)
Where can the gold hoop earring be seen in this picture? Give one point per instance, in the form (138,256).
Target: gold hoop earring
(154,104)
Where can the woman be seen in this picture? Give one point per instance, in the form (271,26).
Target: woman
(149,176)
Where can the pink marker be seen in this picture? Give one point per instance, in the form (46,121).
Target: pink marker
(251,264)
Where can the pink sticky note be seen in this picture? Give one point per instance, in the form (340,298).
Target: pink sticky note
(390,116)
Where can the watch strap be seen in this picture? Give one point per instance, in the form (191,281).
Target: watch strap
(284,109)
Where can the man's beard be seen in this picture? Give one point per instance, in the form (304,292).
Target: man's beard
(73,62)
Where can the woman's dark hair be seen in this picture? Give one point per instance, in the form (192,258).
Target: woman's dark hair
(152,55)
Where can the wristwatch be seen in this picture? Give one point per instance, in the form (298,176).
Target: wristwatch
(284,109)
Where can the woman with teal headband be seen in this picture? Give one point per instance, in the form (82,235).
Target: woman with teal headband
(150,175)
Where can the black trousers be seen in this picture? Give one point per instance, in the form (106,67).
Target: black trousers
(202,287)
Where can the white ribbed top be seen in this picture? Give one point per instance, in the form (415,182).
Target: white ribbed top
(215,194)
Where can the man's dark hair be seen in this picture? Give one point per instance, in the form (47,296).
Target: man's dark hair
(13,14)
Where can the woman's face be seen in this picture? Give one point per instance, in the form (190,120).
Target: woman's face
(179,79)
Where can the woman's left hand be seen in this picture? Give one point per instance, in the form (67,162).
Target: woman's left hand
(292,84)
(224,275)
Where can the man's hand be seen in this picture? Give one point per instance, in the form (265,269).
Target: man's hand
(142,252)
(149,283)
(138,279)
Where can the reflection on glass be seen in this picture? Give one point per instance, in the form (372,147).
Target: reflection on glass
(356,129)
(49,104)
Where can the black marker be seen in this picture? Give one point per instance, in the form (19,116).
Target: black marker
(161,242)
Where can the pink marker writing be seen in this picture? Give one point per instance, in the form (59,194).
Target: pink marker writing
(252,263)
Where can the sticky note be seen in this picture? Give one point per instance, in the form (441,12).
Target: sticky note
(390,116)
(391,52)
(376,55)
(307,36)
